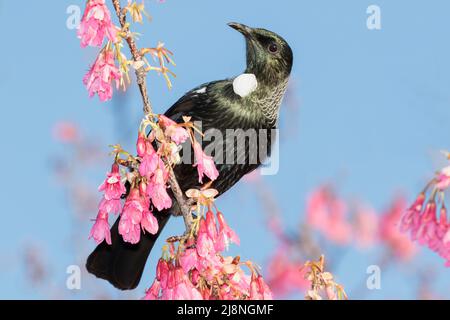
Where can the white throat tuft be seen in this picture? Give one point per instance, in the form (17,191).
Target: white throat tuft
(245,84)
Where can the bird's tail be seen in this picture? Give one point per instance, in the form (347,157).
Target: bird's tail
(122,263)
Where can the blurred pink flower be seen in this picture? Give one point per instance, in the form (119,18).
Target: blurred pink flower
(284,275)
(66,132)
(113,187)
(252,177)
(96,24)
(400,245)
(365,226)
(327,214)
(176,133)
(443,179)
(205,164)
(103,72)
(100,229)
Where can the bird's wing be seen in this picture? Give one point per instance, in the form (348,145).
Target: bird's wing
(194,102)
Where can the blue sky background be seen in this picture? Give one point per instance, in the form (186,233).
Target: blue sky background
(373,114)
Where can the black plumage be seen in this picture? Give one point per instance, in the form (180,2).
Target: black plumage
(217,106)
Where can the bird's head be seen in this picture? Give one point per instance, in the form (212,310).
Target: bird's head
(269,56)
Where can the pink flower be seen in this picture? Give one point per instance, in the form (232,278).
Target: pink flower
(440,243)
(150,161)
(149,222)
(205,164)
(427,225)
(331,293)
(113,186)
(100,230)
(141,144)
(172,283)
(205,245)
(365,226)
(194,270)
(443,179)
(162,272)
(285,275)
(153,292)
(226,234)
(259,290)
(131,232)
(130,219)
(95,24)
(176,133)
(157,190)
(183,289)
(101,75)
(189,260)
(411,219)
(66,132)
(402,247)
(424,226)
(110,206)
(211,225)
(327,213)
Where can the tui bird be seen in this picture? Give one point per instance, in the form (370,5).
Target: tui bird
(249,101)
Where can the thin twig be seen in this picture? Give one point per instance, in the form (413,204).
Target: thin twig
(148,110)
(140,70)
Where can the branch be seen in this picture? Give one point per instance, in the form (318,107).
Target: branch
(140,71)
(148,111)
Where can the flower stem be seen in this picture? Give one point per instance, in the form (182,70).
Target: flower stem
(148,110)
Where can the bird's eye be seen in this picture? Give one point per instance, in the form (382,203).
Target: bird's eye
(273,48)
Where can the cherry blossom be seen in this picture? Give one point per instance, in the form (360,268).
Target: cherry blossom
(426,219)
(157,190)
(100,229)
(197,270)
(398,243)
(205,164)
(99,78)
(96,24)
(113,187)
(259,290)
(285,275)
(136,215)
(365,226)
(175,132)
(327,213)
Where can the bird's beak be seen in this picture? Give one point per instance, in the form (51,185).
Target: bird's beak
(242,28)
